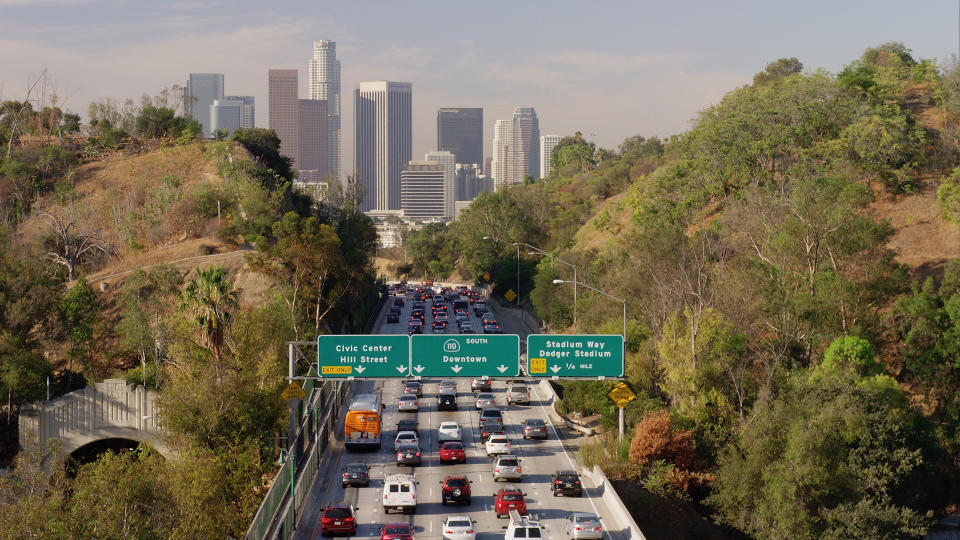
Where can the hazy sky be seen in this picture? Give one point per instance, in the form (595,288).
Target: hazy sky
(608,69)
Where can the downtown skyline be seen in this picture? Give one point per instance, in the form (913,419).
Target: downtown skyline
(648,70)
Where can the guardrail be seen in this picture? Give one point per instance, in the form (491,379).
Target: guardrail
(613,502)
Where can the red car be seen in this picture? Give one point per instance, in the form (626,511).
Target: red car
(453,452)
(396,531)
(510,498)
(338,518)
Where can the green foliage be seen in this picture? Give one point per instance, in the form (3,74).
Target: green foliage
(156,122)
(948,197)
(264,144)
(777,70)
(210,300)
(850,354)
(573,154)
(79,312)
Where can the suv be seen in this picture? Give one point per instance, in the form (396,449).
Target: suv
(481,385)
(518,393)
(455,489)
(566,483)
(509,498)
(447,402)
(507,468)
(338,518)
(523,528)
(400,493)
(492,418)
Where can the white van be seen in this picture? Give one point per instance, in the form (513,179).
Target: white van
(400,493)
(522,528)
(518,393)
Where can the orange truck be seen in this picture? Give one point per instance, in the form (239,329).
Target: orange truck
(363,426)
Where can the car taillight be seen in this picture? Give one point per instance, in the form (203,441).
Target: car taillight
(578,528)
(345,475)
(470,531)
(418,454)
(447,532)
(399,454)
(497,469)
(508,444)
(599,528)
(518,470)
(414,495)
(578,482)
(558,482)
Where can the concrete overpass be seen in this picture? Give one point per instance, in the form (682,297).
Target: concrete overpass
(112,409)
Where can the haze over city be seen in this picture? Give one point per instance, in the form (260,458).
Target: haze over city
(609,71)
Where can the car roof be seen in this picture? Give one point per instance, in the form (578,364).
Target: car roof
(584,515)
(454,477)
(408,396)
(414,433)
(508,489)
(559,472)
(449,423)
(339,505)
(459,517)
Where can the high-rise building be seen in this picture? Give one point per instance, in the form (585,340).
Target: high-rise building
(488,167)
(247,112)
(383,113)
(325,85)
(423,187)
(448,160)
(226,115)
(516,148)
(312,154)
(284,106)
(547,144)
(201,91)
(470,181)
(460,131)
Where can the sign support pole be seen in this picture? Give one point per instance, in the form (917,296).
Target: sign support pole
(620,410)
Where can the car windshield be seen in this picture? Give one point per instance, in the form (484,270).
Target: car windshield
(491,413)
(398,529)
(356,467)
(456,482)
(535,423)
(408,398)
(584,519)
(498,440)
(408,448)
(512,496)
(337,513)
(485,396)
(508,463)
(449,425)
(567,477)
(459,523)
(453,446)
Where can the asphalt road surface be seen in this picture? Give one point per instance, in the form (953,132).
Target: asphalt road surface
(539,459)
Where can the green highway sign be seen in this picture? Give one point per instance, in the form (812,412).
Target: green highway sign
(363,356)
(468,355)
(571,355)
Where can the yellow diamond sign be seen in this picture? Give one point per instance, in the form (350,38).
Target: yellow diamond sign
(293,391)
(510,295)
(621,394)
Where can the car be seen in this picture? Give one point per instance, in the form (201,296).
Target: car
(448,385)
(407,424)
(447,402)
(338,518)
(509,498)
(356,474)
(417,314)
(498,445)
(455,489)
(415,327)
(486,399)
(534,428)
(458,528)
(523,528)
(481,385)
(488,318)
(583,525)
(408,454)
(393,317)
(398,302)
(448,431)
(507,468)
(518,393)
(396,309)
(413,387)
(565,483)
(491,417)
(408,402)
(405,437)
(479,308)
(396,531)
(400,493)
(467,328)
(440,329)
(453,452)
(492,329)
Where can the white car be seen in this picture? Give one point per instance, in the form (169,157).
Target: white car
(405,437)
(448,431)
(408,402)
(459,528)
(498,445)
(486,399)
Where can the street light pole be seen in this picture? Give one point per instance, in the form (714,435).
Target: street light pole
(624,302)
(575,282)
(284,456)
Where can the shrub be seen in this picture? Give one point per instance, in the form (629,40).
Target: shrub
(655,439)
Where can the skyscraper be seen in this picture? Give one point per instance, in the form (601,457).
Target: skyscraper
(325,84)
(312,153)
(460,131)
(547,144)
(247,112)
(383,113)
(199,94)
(225,115)
(448,160)
(284,106)
(422,190)
(516,148)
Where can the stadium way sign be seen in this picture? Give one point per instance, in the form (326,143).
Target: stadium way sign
(469,355)
(363,356)
(572,355)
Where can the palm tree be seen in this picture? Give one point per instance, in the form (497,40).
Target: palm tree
(211,299)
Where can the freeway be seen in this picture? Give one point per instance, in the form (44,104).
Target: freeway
(539,460)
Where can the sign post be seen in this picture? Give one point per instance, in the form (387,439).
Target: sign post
(621,394)
(575,355)
(293,393)
(363,356)
(467,355)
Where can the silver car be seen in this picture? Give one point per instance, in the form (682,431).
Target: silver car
(584,525)
(408,402)
(448,387)
(486,399)
(507,468)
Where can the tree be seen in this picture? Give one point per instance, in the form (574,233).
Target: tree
(79,312)
(25,107)
(948,197)
(210,301)
(70,243)
(777,70)
(655,438)
(264,144)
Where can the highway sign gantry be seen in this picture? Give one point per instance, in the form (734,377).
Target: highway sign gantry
(572,355)
(468,355)
(363,356)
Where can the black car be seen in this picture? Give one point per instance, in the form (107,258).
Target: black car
(566,483)
(481,385)
(398,301)
(408,454)
(447,402)
(407,424)
(393,317)
(356,474)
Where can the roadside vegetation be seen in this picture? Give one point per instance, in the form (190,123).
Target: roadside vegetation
(793,378)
